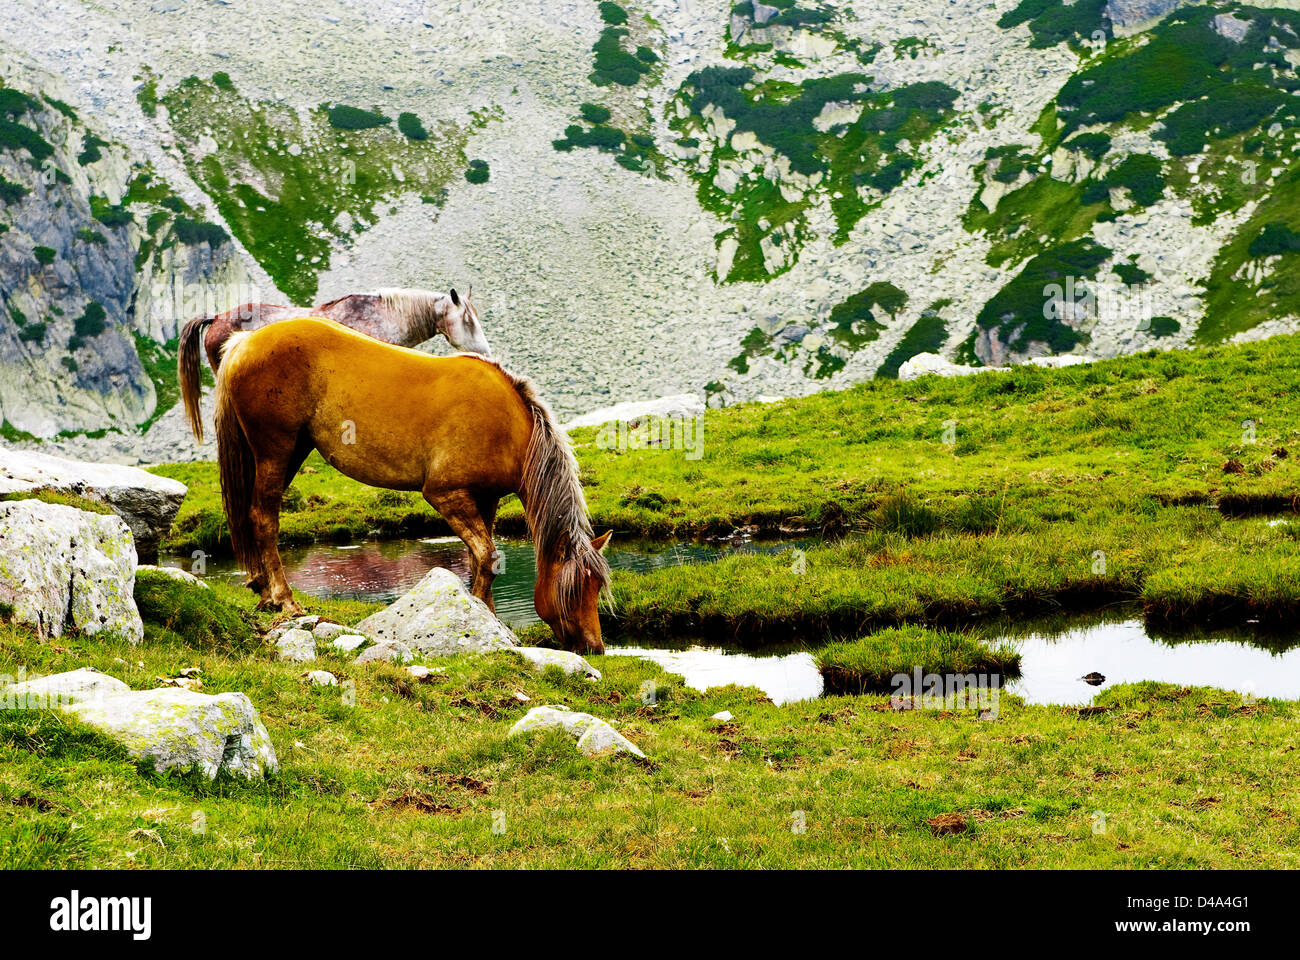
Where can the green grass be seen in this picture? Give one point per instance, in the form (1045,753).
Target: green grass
(159,361)
(870,664)
(847,161)
(423,774)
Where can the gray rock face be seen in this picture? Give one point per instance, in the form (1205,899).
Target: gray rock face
(147,503)
(296,646)
(60,689)
(1132,13)
(62,567)
(438,617)
(570,663)
(180,729)
(54,373)
(594,736)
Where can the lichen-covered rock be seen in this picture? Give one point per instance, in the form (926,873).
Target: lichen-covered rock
(147,502)
(327,631)
(594,736)
(175,573)
(183,730)
(570,663)
(61,567)
(59,689)
(386,651)
(438,617)
(296,646)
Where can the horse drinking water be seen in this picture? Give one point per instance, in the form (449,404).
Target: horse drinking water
(395,315)
(460,429)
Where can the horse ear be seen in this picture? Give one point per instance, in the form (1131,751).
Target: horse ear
(601,542)
(455,298)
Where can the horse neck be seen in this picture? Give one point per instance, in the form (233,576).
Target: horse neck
(418,318)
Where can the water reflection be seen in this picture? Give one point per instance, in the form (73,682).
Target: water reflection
(784,678)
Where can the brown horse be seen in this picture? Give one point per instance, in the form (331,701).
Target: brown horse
(459,429)
(401,316)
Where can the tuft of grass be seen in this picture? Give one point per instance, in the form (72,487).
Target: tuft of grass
(870,664)
(192,615)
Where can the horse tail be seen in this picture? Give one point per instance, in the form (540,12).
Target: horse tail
(236,464)
(187,366)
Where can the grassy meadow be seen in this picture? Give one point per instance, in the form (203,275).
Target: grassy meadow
(420,774)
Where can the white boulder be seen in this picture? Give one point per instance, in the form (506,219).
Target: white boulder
(296,646)
(181,729)
(59,689)
(674,407)
(147,502)
(594,736)
(924,364)
(570,663)
(61,567)
(348,642)
(386,651)
(321,678)
(438,617)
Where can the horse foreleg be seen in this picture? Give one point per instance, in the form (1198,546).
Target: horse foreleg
(463,514)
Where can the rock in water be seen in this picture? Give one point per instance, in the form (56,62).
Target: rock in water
(147,502)
(62,567)
(439,617)
(594,736)
(180,729)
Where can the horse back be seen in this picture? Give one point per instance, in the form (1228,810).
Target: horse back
(383,414)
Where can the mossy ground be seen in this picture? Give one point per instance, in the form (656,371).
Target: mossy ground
(423,775)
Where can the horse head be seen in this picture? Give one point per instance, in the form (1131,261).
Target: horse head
(458,321)
(568,593)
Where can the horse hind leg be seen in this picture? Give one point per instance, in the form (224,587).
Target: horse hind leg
(464,513)
(272,479)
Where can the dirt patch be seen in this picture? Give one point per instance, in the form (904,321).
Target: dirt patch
(416,800)
(948,824)
(39,804)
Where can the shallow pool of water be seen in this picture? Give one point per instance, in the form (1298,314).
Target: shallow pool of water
(783,677)
(1052,663)
(1052,667)
(380,571)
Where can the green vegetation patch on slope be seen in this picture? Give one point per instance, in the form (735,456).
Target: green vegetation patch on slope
(1021,311)
(291,186)
(851,164)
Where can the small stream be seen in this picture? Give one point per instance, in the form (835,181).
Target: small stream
(1053,660)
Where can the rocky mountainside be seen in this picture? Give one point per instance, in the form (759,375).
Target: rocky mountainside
(651,198)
